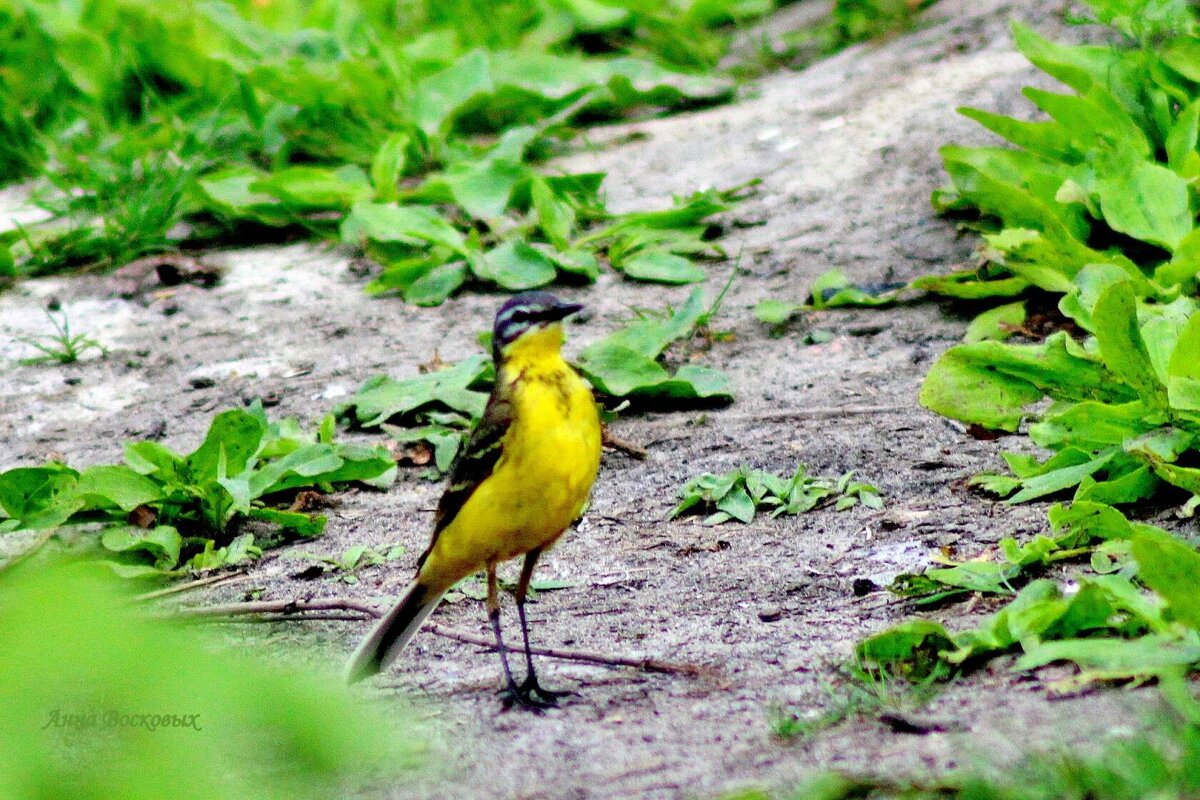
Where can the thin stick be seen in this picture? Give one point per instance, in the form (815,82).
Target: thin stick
(815,413)
(287,607)
(614,442)
(586,656)
(196,584)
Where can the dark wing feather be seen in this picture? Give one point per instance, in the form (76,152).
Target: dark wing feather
(475,461)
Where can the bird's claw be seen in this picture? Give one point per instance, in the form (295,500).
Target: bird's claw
(530,696)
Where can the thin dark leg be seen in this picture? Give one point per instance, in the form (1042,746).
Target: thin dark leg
(531,688)
(513,694)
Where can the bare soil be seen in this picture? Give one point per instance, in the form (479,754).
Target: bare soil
(847,154)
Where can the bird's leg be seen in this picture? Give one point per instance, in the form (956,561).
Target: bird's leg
(493,609)
(531,689)
(513,694)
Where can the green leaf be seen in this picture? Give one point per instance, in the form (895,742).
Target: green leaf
(515,266)
(1182,139)
(120,486)
(162,542)
(387,168)
(295,522)
(483,188)
(776,312)
(993,384)
(432,288)
(440,96)
(1121,344)
(382,399)
(1172,569)
(28,491)
(996,324)
(1115,659)
(660,266)
(1150,203)
(911,649)
(738,505)
(315,188)
(390,223)
(233,438)
(1183,370)
(555,218)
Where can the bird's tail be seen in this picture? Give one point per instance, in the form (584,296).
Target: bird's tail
(383,644)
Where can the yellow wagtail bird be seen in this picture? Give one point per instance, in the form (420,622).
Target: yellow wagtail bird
(522,478)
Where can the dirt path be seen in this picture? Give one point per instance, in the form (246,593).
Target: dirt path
(847,154)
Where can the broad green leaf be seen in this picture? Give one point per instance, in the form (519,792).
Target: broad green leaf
(515,266)
(992,384)
(738,505)
(579,262)
(233,438)
(1184,266)
(295,522)
(1183,56)
(1075,66)
(911,649)
(388,166)
(1059,479)
(391,223)
(27,491)
(119,486)
(776,312)
(1092,425)
(1183,370)
(483,188)
(1046,139)
(432,288)
(660,266)
(1172,569)
(996,324)
(316,187)
(1182,140)
(381,399)
(162,542)
(1150,204)
(440,96)
(1115,658)
(555,218)
(620,371)
(1121,344)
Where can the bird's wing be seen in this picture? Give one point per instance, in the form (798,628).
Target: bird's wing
(476,461)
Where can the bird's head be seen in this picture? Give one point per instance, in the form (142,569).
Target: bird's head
(529,318)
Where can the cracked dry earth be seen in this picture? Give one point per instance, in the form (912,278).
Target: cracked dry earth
(847,154)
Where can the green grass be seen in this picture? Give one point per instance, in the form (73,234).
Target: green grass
(418,131)
(62,346)
(1161,762)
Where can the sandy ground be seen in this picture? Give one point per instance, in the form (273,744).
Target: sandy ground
(846,152)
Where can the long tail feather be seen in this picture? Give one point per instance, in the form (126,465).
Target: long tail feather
(383,644)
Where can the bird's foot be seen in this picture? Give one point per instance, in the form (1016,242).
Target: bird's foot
(530,696)
(531,688)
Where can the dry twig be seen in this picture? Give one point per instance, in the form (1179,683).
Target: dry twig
(289,607)
(614,442)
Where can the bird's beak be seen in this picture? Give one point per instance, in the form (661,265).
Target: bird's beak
(564,310)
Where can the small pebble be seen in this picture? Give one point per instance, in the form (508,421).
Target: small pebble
(770,613)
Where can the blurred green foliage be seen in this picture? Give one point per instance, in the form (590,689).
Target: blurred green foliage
(100,701)
(418,125)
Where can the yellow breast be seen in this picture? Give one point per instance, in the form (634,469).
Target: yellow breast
(549,460)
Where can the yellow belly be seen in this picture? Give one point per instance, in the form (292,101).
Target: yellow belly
(540,483)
